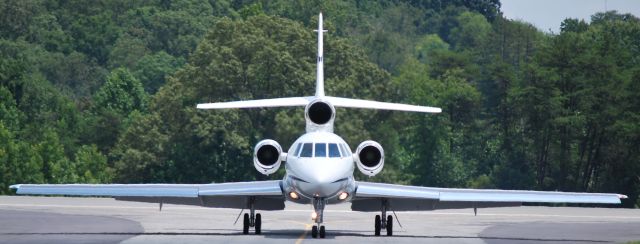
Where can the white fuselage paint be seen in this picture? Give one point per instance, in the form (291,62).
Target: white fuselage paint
(318,177)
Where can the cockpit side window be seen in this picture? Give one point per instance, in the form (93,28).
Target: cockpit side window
(307,150)
(321,150)
(297,151)
(344,153)
(346,150)
(334,152)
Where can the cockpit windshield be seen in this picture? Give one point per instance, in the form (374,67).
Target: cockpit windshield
(307,150)
(320,150)
(334,152)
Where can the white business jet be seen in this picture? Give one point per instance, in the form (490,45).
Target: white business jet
(319,171)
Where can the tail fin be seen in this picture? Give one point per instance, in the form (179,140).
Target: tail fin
(304,101)
(320,60)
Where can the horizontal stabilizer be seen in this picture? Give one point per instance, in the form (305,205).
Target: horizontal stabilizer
(303,101)
(357,103)
(261,103)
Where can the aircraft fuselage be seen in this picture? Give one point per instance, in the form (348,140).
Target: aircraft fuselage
(319,165)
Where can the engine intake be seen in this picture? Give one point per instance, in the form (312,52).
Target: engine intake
(320,112)
(369,157)
(267,156)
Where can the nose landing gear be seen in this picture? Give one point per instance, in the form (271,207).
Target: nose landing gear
(318,229)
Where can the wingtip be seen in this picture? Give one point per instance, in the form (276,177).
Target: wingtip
(14,186)
(621,196)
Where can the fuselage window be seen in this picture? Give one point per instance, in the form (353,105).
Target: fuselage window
(334,152)
(297,151)
(321,150)
(307,150)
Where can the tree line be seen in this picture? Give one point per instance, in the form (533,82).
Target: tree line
(106,92)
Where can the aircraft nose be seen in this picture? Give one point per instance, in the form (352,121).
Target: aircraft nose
(325,175)
(323,183)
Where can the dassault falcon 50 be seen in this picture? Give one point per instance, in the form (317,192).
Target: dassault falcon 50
(319,171)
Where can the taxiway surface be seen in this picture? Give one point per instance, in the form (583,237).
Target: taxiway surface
(48,220)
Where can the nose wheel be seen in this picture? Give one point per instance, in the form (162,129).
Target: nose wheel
(318,229)
(318,232)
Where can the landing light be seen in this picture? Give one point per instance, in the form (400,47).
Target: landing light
(314,215)
(293,195)
(343,195)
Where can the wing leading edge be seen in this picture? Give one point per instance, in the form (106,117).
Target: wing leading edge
(266,195)
(411,198)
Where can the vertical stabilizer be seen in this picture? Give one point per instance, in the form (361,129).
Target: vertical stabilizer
(320,60)
(320,109)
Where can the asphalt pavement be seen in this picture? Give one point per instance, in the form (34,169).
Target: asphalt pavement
(25,219)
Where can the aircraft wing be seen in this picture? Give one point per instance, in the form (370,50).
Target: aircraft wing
(368,197)
(266,195)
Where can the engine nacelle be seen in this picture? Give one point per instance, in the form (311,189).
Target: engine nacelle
(267,156)
(369,157)
(319,115)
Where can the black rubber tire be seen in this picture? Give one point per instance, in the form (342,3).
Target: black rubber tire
(389,225)
(245,224)
(258,226)
(377,225)
(314,231)
(322,232)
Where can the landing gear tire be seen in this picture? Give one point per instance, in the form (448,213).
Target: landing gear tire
(245,224)
(258,223)
(389,226)
(377,225)
(314,231)
(322,232)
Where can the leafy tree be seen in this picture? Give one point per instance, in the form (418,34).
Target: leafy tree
(56,167)
(472,30)
(428,46)
(19,161)
(93,35)
(141,154)
(91,166)
(46,31)
(153,69)
(16,17)
(126,52)
(10,116)
(122,93)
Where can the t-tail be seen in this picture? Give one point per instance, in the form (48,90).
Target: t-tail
(319,109)
(320,59)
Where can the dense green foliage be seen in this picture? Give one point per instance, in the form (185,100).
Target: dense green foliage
(106,92)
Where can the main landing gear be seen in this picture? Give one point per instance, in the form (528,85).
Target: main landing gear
(252,220)
(318,229)
(382,222)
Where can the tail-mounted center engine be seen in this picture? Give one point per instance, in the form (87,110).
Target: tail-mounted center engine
(267,156)
(369,157)
(320,115)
